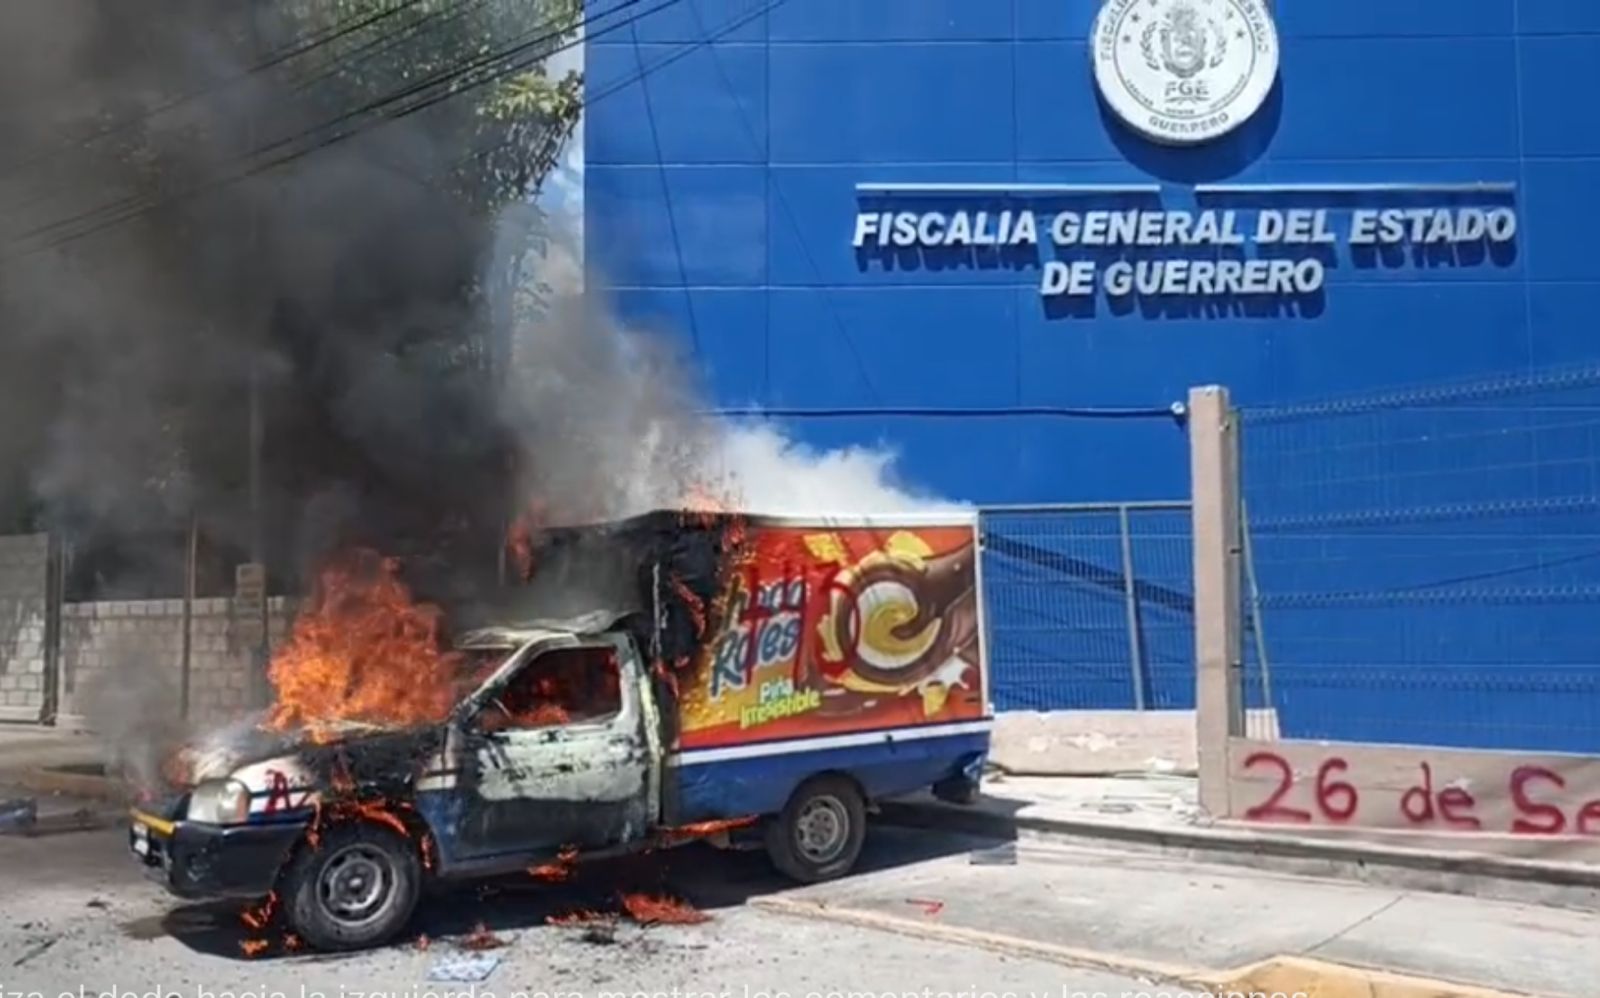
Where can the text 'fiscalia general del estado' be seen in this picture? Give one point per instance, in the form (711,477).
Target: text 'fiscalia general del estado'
(1218,274)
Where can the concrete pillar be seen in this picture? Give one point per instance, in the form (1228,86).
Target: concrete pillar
(1218,649)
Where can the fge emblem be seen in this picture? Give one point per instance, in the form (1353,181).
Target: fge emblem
(1184,71)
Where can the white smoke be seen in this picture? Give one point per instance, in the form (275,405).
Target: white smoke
(611,421)
(757,468)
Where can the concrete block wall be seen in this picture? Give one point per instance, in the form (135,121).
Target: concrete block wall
(23,566)
(145,637)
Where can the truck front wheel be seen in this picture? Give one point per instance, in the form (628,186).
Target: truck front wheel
(355,888)
(819,833)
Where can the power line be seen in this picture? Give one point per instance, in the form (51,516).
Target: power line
(384,43)
(136,211)
(371,49)
(315,41)
(123,209)
(629,81)
(519,47)
(618,86)
(800,237)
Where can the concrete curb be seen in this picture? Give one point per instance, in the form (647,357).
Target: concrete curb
(1497,877)
(1286,975)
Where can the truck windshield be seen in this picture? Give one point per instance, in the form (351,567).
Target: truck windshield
(565,686)
(476,666)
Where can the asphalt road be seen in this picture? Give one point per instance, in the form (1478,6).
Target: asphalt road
(77,917)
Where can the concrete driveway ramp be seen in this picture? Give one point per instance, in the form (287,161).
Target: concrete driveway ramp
(1293,976)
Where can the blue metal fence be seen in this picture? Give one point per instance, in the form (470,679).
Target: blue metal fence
(1428,563)
(1089,606)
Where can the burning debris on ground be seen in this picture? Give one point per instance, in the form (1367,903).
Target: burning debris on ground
(647,909)
(480,939)
(561,869)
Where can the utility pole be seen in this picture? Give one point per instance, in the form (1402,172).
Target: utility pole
(258,628)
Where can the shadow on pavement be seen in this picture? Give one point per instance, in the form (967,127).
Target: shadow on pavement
(705,878)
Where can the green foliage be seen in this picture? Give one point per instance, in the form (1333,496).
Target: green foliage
(509,129)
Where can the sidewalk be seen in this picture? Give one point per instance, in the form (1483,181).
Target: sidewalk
(42,760)
(1216,927)
(1158,813)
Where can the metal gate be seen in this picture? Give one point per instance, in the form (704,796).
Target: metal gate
(1089,606)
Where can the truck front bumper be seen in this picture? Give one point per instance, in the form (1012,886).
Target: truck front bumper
(197,861)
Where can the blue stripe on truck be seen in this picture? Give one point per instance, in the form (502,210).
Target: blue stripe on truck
(761,784)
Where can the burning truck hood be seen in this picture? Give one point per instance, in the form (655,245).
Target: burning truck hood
(651,575)
(250,740)
(222,752)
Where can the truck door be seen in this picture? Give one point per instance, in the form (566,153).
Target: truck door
(560,753)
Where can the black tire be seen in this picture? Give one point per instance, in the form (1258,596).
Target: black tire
(356,888)
(818,834)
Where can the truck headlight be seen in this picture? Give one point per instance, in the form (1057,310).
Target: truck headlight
(219,802)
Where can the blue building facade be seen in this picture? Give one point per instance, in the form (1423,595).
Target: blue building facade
(1418,185)
(730,145)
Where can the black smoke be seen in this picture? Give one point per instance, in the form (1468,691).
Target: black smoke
(147,276)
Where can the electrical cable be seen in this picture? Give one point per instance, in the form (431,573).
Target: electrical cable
(1073,412)
(618,86)
(126,208)
(136,211)
(383,43)
(366,51)
(862,369)
(329,35)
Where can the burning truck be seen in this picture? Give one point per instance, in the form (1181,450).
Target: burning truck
(756,682)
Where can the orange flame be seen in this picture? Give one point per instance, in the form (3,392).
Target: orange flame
(694,604)
(661,910)
(379,814)
(253,947)
(552,872)
(702,499)
(704,829)
(258,918)
(559,869)
(362,650)
(519,538)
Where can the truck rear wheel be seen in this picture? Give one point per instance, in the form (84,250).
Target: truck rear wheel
(356,888)
(818,834)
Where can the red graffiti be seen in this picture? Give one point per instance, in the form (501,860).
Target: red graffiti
(814,587)
(1337,800)
(278,798)
(1331,790)
(1533,792)
(1420,804)
(1551,820)
(1271,809)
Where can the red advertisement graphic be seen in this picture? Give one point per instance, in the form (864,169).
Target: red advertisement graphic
(827,631)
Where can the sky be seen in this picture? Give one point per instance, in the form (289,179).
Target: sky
(562,194)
